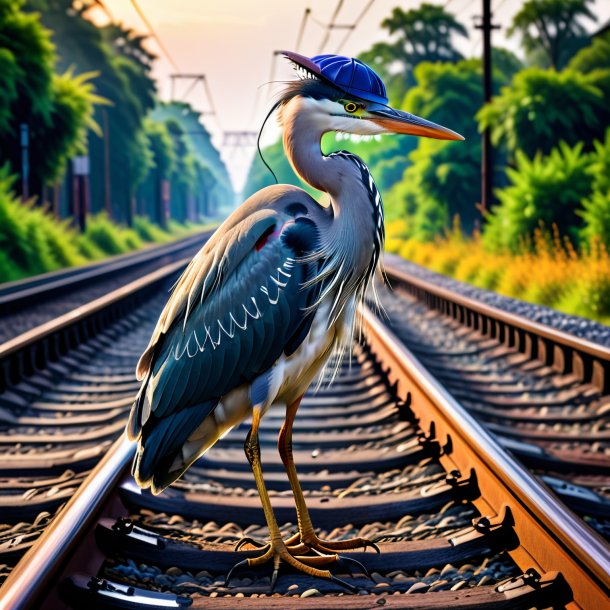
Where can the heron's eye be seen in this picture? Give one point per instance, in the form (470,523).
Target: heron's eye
(350,107)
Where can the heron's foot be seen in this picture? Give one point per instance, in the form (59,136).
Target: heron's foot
(332,546)
(277,552)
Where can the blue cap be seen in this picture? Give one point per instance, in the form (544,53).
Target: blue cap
(349,75)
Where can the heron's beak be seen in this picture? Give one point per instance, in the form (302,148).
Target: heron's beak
(396,121)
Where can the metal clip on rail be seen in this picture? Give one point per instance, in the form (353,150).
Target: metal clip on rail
(552,587)
(498,531)
(81,591)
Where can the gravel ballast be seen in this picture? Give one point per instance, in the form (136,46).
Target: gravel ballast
(575,325)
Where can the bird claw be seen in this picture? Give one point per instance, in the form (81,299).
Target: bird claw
(344,584)
(333,546)
(348,560)
(309,564)
(237,566)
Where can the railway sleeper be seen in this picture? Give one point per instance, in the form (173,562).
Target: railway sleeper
(486,537)
(525,591)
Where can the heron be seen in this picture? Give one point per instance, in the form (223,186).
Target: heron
(270,297)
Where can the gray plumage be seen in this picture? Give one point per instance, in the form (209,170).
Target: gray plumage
(264,304)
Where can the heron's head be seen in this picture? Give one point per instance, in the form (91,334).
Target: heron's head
(345,95)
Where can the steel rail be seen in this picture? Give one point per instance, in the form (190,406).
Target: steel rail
(551,537)
(33,575)
(13,294)
(22,355)
(567,353)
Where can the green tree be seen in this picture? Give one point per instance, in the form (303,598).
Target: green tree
(417,35)
(546,190)
(443,179)
(124,79)
(424,34)
(58,110)
(150,192)
(200,145)
(540,108)
(553,28)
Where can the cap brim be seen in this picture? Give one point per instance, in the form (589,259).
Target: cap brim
(304,62)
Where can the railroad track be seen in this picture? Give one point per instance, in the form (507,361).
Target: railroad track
(545,395)
(28,303)
(386,452)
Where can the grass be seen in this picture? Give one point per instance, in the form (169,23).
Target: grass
(33,241)
(548,271)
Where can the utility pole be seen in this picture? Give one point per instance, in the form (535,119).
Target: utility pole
(107,197)
(487,151)
(195,80)
(24,137)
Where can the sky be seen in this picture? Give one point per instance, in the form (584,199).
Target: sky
(232,42)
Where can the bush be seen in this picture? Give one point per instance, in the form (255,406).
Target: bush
(544,190)
(149,232)
(32,240)
(542,107)
(547,271)
(110,238)
(596,209)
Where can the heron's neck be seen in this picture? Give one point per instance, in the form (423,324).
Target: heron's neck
(345,180)
(302,139)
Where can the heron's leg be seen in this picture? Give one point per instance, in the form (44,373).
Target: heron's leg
(307,534)
(276,551)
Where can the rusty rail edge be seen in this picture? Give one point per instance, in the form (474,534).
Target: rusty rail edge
(14,294)
(566,353)
(23,355)
(551,537)
(34,574)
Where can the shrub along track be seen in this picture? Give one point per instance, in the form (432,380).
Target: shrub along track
(384,453)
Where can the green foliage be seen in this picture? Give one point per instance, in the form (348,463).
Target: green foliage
(417,35)
(57,109)
(149,232)
(424,34)
(8,86)
(596,56)
(545,190)
(540,108)
(506,63)
(443,180)
(124,80)
(552,28)
(448,94)
(161,146)
(71,117)
(31,240)
(207,186)
(596,209)
(109,238)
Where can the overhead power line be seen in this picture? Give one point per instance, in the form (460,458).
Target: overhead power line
(154,34)
(360,17)
(330,26)
(302,28)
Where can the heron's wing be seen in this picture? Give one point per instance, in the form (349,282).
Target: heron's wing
(235,310)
